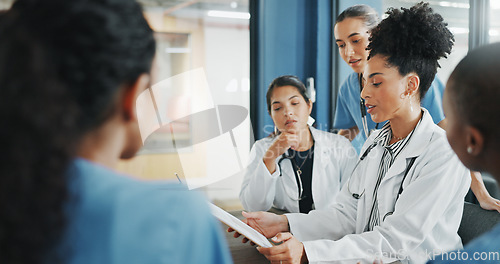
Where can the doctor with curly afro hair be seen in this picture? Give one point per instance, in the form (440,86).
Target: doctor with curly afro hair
(405,196)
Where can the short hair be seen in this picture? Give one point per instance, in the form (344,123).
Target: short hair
(474,88)
(364,12)
(413,40)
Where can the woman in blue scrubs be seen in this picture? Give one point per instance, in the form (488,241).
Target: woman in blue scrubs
(351,35)
(70,73)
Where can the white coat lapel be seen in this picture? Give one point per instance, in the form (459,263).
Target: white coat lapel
(321,154)
(320,161)
(417,144)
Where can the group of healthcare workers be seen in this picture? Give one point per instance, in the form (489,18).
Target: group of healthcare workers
(403,196)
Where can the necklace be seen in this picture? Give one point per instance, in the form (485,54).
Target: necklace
(299,171)
(394,136)
(397,138)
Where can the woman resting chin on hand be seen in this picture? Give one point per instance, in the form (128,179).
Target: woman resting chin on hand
(405,196)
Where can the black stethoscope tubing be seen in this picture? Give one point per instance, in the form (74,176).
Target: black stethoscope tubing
(297,177)
(400,191)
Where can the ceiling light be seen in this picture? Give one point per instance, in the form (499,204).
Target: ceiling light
(452,4)
(226,14)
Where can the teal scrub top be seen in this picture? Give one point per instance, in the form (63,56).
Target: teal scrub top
(348,112)
(116,219)
(484,249)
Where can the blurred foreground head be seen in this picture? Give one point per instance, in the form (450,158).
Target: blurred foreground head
(65,67)
(471,108)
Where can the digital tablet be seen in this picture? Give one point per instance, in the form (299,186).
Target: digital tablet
(240,226)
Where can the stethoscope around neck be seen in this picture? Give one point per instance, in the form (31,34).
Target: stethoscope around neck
(367,151)
(357,196)
(298,180)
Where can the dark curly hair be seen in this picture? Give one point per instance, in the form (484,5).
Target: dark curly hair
(413,40)
(474,87)
(63,65)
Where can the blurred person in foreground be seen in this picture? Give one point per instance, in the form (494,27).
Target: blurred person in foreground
(469,104)
(70,73)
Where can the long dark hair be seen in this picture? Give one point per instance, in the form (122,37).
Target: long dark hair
(63,65)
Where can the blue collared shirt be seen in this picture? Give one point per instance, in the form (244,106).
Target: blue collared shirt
(484,249)
(348,112)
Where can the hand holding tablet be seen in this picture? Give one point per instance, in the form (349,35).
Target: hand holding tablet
(240,227)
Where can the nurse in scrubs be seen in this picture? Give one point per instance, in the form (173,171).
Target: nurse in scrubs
(351,36)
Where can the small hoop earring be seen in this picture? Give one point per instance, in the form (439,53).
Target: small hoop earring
(275,130)
(469,149)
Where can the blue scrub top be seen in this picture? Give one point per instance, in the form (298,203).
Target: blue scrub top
(484,249)
(348,112)
(116,219)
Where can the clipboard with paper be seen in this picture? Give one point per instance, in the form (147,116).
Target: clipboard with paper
(239,226)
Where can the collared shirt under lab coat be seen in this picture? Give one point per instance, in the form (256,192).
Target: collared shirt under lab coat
(334,159)
(426,216)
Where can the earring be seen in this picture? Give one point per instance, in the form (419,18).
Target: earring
(409,100)
(469,149)
(275,130)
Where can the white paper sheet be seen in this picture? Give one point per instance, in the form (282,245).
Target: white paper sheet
(239,226)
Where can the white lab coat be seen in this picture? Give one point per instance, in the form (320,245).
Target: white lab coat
(425,218)
(334,159)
